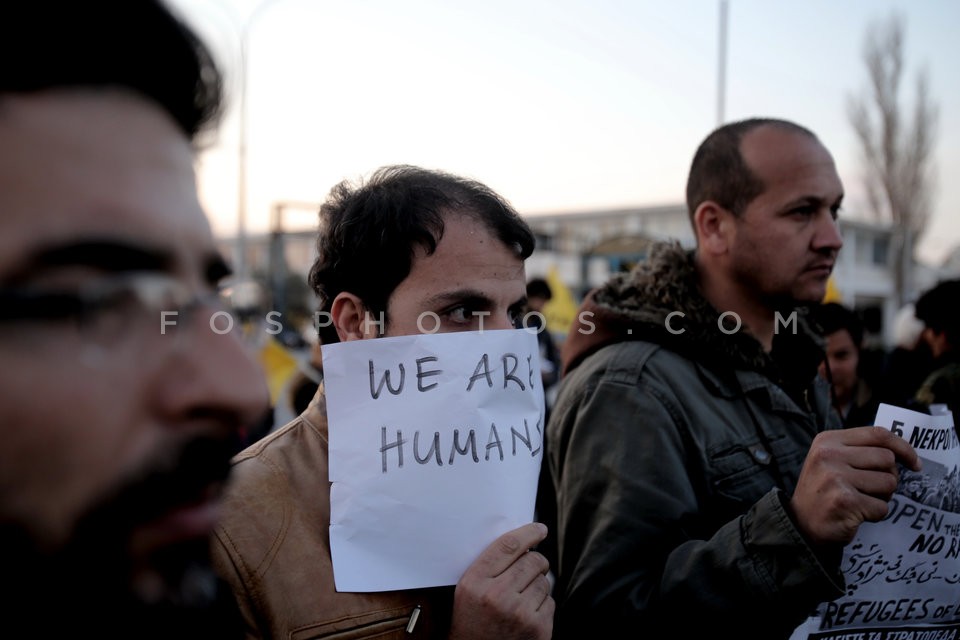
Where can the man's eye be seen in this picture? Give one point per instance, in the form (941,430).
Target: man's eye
(808,210)
(459,314)
(119,299)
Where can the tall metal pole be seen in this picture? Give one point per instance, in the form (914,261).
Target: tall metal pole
(241,257)
(241,261)
(722,62)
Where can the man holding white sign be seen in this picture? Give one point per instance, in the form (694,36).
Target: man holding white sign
(410,253)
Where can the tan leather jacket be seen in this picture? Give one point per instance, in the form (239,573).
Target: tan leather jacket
(273,548)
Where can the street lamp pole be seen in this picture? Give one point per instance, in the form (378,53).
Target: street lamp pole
(241,261)
(241,258)
(722,64)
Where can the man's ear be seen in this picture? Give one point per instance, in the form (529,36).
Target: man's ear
(348,313)
(714,228)
(939,342)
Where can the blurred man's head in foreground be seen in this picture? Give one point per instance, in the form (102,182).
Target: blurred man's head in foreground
(120,406)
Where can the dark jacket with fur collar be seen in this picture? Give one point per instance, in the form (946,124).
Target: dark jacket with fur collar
(672,447)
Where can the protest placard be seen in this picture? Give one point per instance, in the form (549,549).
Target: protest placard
(435,449)
(903,573)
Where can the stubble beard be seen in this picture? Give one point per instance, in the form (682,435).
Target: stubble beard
(92,582)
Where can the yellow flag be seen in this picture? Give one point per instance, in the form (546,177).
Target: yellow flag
(561,309)
(279,365)
(833,293)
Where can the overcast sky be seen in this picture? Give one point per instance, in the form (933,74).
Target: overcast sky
(559,105)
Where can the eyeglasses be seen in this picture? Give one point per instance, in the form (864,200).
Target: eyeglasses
(109,311)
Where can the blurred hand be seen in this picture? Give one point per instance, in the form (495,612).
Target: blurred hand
(848,478)
(505,593)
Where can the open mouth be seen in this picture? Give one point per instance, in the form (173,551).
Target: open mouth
(181,523)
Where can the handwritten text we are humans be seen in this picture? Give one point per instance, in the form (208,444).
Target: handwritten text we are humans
(510,363)
(508,372)
(458,449)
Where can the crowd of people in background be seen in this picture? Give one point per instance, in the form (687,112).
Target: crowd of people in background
(920,371)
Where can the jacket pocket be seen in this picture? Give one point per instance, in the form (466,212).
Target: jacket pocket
(744,473)
(388,624)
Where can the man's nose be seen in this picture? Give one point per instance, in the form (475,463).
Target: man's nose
(828,236)
(214,375)
(503,320)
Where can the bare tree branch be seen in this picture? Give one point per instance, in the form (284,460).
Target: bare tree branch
(896,143)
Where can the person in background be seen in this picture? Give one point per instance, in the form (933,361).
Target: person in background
(843,332)
(407,242)
(120,406)
(701,477)
(906,365)
(538,295)
(937,308)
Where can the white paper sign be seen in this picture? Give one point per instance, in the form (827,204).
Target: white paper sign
(903,573)
(435,449)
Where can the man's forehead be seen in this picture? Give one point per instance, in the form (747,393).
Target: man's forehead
(122,179)
(463,226)
(773,146)
(470,263)
(793,163)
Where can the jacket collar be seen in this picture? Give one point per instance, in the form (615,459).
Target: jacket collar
(315,414)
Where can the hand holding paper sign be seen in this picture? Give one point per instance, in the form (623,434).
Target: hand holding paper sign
(507,577)
(848,478)
(901,572)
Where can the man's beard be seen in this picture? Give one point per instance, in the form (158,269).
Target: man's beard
(93,584)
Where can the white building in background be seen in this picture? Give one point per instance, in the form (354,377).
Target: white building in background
(586,247)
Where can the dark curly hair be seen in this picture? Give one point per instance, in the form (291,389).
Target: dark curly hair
(369,231)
